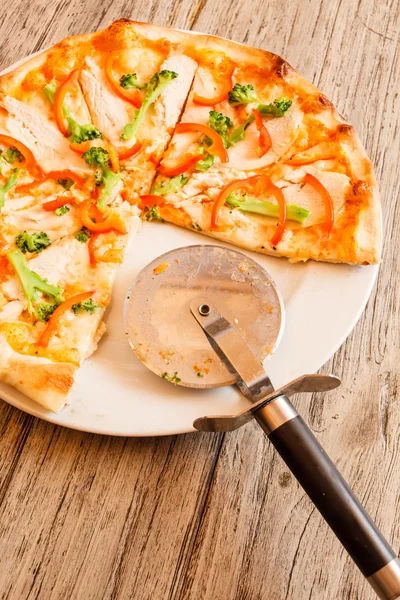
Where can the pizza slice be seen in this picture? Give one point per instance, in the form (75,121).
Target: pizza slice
(62,240)
(263,160)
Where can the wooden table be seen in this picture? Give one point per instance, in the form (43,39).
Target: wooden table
(218,517)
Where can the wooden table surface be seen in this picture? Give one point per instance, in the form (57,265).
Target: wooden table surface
(218,517)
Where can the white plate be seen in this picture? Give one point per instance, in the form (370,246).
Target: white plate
(117,395)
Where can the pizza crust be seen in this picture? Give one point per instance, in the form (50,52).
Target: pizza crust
(48,383)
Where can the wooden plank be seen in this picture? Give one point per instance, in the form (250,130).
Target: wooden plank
(201,516)
(87,516)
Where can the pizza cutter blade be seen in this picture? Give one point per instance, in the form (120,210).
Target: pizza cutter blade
(207,316)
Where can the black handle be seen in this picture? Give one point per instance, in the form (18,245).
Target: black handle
(327,489)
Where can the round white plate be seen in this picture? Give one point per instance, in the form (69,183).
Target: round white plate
(115,394)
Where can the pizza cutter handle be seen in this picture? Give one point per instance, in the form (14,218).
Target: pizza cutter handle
(329,492)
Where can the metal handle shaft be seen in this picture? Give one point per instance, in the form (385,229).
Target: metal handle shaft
(329,492)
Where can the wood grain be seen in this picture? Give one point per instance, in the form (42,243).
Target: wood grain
(219,517)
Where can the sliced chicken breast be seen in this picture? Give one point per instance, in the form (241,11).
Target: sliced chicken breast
(169,105)
(49,147)
(109,112)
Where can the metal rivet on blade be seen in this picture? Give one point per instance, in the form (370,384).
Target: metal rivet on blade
(204,310)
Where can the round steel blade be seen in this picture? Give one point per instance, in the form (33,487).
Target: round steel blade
(163,332)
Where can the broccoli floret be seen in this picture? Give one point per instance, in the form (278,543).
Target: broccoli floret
(62,210)
(13,155)
(96,157)
(242,94)
(99,158)
(246,203)
(221,124)
(172,378)
(170,186)
(82,133)
(83,235)
(153,214)
(154,88)
(35,242)
(50,91)
(66,183)
(32,284)
(44,310)
(87,305)
(277,109)
(11,181)
(130,81)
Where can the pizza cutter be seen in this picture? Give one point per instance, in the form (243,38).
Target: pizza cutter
(206,316)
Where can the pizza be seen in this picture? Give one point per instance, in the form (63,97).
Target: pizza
(138,122)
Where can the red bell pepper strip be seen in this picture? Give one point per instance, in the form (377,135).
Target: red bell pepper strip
(54,320)
(91,243)
(265,142)
(95,213)
(125,153)
(217,147)
(245,184)
(132,96)
(62,91)
(181,167)
(80,148)
(327,199)
(57,203)
(280,198)
(30,161)
(112,222)
(224,89)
